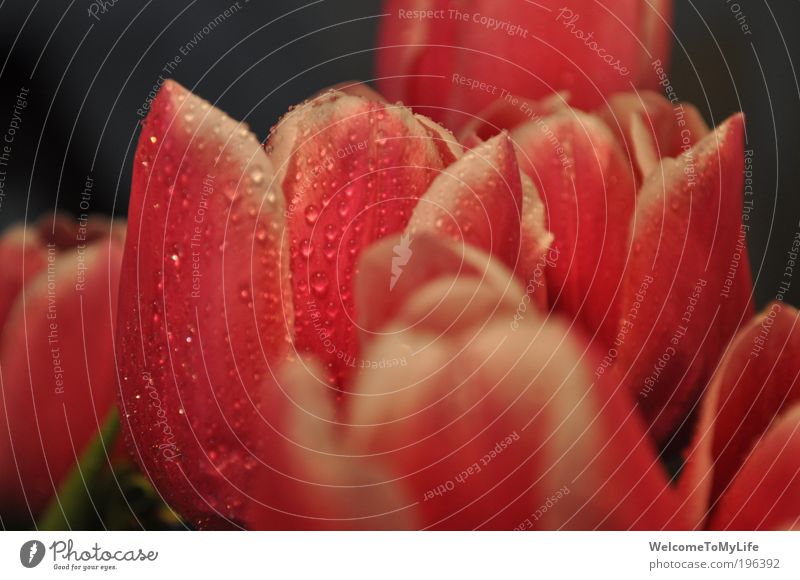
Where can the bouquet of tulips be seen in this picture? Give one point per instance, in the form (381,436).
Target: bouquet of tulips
(505,287)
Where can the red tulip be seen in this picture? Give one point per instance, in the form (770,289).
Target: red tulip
(203,329)
(645,205)
(452,58)
(57,374)
(338,331)
(742,469)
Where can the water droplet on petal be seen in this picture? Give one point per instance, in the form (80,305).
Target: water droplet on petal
(319,283)
(312,213)
(330,232)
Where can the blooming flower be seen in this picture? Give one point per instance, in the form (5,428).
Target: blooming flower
(645,205)
(202,328)
(369,323)
(58,297)
(742,467)
(541,321)
(452,58)
(299,375)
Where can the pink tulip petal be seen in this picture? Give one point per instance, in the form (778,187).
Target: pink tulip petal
(452,67)
(536,241)
(354,89)
(656,35)
(352,171)
(584,180)
(683,249)
(410,51)
(57,370)
(23,257)
(471,141)
(477,200)
(205,312)
(312,483)
(510,112)
(645,150)
(483,424)
(673,129)
(393,269)
(537,253)
(445,142)
(765,495)
(756,384)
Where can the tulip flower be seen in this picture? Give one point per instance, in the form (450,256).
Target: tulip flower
(240,258)
(450,59)
(361,324)
(57,372)
(645,204)
(582,451)
(231,409)
(742,467)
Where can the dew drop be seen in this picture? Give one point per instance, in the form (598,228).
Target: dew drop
(331,310)
(330,232)
(257,176)
(312,213)
(319,283)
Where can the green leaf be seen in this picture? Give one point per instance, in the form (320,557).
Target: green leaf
(73,508)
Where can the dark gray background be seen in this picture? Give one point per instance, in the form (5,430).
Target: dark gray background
(87,79)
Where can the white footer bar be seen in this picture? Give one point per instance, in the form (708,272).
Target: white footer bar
(409,556)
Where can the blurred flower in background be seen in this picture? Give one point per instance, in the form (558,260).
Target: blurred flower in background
(452,58)
(59,296)
(62,461)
